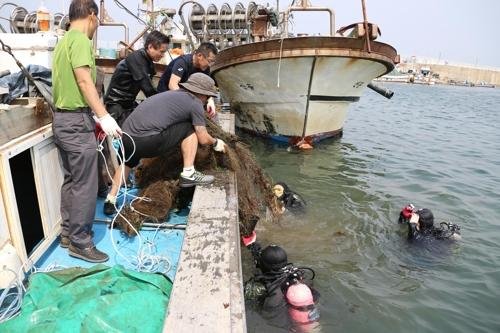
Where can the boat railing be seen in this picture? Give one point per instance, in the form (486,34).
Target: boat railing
(305,6)
(106,21)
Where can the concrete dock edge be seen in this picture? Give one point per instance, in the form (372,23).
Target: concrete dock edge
(207,295)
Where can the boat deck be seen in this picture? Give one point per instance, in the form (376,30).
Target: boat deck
(203,259)
(124,250)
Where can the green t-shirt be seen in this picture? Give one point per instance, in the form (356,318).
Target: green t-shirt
(73,51)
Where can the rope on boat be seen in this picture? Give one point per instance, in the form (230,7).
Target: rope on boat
(279,62)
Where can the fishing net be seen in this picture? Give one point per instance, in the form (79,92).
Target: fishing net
(255,196)
(152,205)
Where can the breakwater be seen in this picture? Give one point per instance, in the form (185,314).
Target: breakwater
(455,72)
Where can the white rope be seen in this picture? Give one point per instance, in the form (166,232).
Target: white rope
(279,61)
(145,259)
(11,298)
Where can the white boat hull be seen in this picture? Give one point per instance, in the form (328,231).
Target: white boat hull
(302,94)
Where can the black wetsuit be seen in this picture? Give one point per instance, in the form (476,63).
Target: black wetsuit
(269,288)
(132,74)
(435,232)
(293,202)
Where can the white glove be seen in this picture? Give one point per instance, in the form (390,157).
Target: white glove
(211,107)
(109,126)
(219,146)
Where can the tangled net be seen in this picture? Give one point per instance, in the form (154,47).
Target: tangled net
(153,205)
(157,178)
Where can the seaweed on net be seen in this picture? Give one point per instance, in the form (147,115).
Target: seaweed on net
(152,205)
(254,186)
(255,196)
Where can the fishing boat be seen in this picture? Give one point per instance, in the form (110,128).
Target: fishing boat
(295,89)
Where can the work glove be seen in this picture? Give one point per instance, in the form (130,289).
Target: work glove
(211,107)
(109,126)
(249,239)
(219,146)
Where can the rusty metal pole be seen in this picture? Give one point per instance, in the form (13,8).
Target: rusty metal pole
(365,23)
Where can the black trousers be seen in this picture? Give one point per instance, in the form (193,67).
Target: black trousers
(119,112)
(155,145)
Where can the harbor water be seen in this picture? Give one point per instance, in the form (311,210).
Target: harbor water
(433,146)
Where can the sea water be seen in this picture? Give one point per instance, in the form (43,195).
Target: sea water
(434,146)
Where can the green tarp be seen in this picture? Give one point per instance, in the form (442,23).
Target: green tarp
(97,299)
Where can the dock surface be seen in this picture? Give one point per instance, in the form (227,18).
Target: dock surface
(208,292)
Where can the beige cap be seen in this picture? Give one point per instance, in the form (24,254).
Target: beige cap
(201,84)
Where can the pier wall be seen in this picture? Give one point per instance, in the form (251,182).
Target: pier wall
(456,72)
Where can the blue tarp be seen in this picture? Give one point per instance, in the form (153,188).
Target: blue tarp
(16,83)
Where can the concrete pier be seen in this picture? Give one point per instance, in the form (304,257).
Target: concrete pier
(207,295)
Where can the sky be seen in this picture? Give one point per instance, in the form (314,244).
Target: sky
(456,31)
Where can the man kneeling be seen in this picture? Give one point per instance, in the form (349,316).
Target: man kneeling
(163,121)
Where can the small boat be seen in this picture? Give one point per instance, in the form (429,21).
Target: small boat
(295,89)
(396,76)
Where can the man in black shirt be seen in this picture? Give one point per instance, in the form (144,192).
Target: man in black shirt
(179,69)
(134,74)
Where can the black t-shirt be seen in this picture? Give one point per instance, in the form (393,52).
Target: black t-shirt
(131,75)
(181,66)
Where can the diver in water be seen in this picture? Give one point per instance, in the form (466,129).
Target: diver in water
(289,200)
(421,225)
(279,287)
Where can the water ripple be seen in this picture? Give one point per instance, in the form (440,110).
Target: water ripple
(437,147)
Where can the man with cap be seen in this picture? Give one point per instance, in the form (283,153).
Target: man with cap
(163,121)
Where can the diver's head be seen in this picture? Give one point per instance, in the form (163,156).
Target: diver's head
(279,189)
(426,218)
(301,303)
(405,214)
(272,258)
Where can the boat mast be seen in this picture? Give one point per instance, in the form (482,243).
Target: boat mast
(365,23)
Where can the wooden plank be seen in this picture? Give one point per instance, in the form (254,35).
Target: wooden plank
(20,121)
(208,294)
(4,229)
(48,177)
(11,211)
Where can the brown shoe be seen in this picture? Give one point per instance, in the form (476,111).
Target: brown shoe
(90,254)
(64,243)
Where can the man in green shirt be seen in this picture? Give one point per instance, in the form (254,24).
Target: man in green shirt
(75,97)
